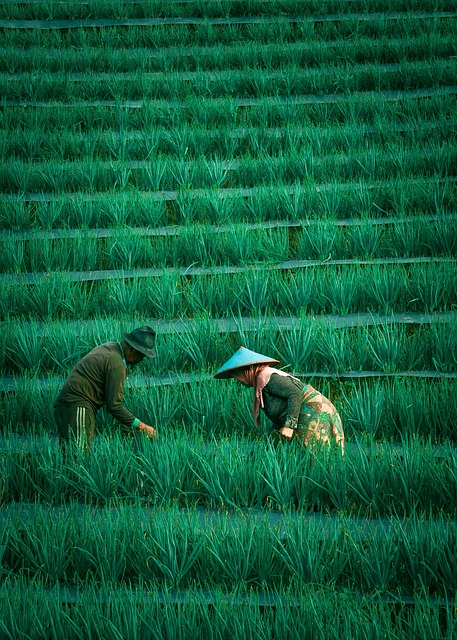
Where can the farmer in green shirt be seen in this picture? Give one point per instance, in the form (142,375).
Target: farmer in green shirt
(97,380)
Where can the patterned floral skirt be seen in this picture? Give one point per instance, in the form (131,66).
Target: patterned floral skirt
(319,421)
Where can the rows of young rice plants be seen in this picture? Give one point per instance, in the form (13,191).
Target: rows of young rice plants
(271,29)
(436,41)
(305,346)
(384,288)
(213,144)
(229,245)
(352,109)
(333,201)
(418,159)
(188,469)
(173,513)
(105,612)
(176,549)
(44,10)
(375,409)
(246,83)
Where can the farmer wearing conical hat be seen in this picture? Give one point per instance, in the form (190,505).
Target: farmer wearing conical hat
(295,408)
(97,380)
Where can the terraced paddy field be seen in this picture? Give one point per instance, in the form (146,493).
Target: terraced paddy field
(274,174)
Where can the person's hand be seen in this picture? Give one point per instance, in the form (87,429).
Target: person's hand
(147,430)
(287,432)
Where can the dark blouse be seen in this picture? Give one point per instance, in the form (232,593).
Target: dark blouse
(282,399)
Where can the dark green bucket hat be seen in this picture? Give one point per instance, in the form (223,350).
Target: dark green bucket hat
(143,340)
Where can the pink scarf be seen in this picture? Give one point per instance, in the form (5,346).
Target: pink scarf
(257,376)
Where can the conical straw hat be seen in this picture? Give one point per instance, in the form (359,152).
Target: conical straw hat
(242,358)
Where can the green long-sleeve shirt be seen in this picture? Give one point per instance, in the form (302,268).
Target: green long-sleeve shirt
(283,398)
(96,380)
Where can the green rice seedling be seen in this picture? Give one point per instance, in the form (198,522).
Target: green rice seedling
(409,480)
(275,473)
(169,549)
(163,296)
(31,609)
(317,241)
(43,549)
(374,559)
(367,470)
(123,295)
(432,287)
(385,287)
(235,550)
(217,478)
(443,341)
(99,473)
(82,214)
(297,345)
(363,409)
(365,239)
(101,546)
(12,259)
(341,288)
(255,295)
(313,551)
(422,543)
(163,470)
(387,343)
(332,349)
(25,350)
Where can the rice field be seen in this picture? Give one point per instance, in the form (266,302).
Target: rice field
(274,174)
